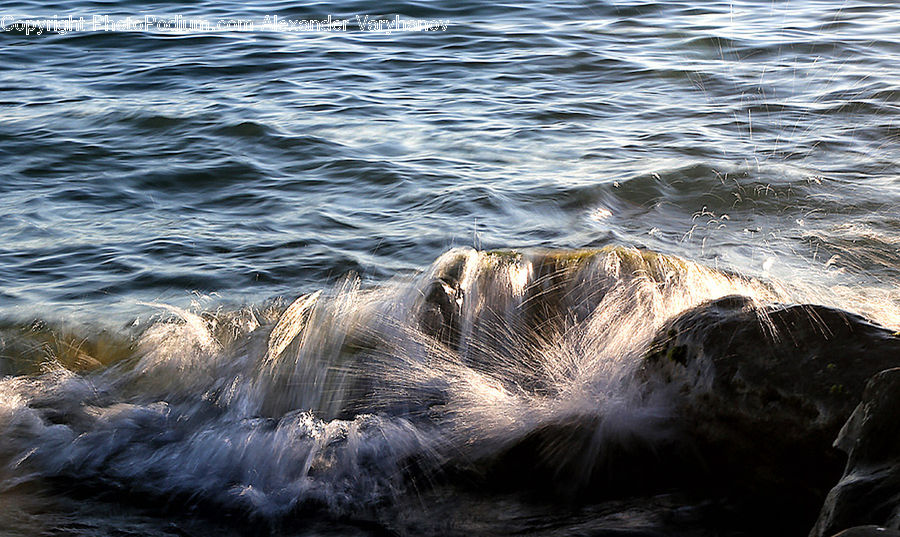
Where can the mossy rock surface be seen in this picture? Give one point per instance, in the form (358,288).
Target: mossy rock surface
(561,286)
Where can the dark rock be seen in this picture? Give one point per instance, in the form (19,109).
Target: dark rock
(565,461)
(439,315)
(559,288)
(868,531)
(760,391)
(869,491)
(764,390)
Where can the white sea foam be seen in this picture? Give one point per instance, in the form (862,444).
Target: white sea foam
(333,402)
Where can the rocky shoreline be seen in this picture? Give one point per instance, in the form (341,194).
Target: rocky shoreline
(612,392)
(785,408)
(777,397)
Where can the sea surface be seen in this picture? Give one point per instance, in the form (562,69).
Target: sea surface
(168,191)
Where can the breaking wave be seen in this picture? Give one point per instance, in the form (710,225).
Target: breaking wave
(352,397)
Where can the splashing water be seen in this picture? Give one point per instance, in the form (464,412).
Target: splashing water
(339,398)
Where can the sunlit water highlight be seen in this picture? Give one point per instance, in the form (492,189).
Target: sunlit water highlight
(167,198)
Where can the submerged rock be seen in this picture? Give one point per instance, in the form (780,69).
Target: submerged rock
(538,292)
(869,491)
(763,390)
(442,299)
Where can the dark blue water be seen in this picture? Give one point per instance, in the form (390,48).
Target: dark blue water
(147,165)
(227,170)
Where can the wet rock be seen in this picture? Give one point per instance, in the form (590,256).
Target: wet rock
(538,292)
(566,461)
(439,316)
(443,296)
(869,491)
(868,531)
(760,391)
(763,391)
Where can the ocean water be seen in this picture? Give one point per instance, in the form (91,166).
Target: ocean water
(218,243)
